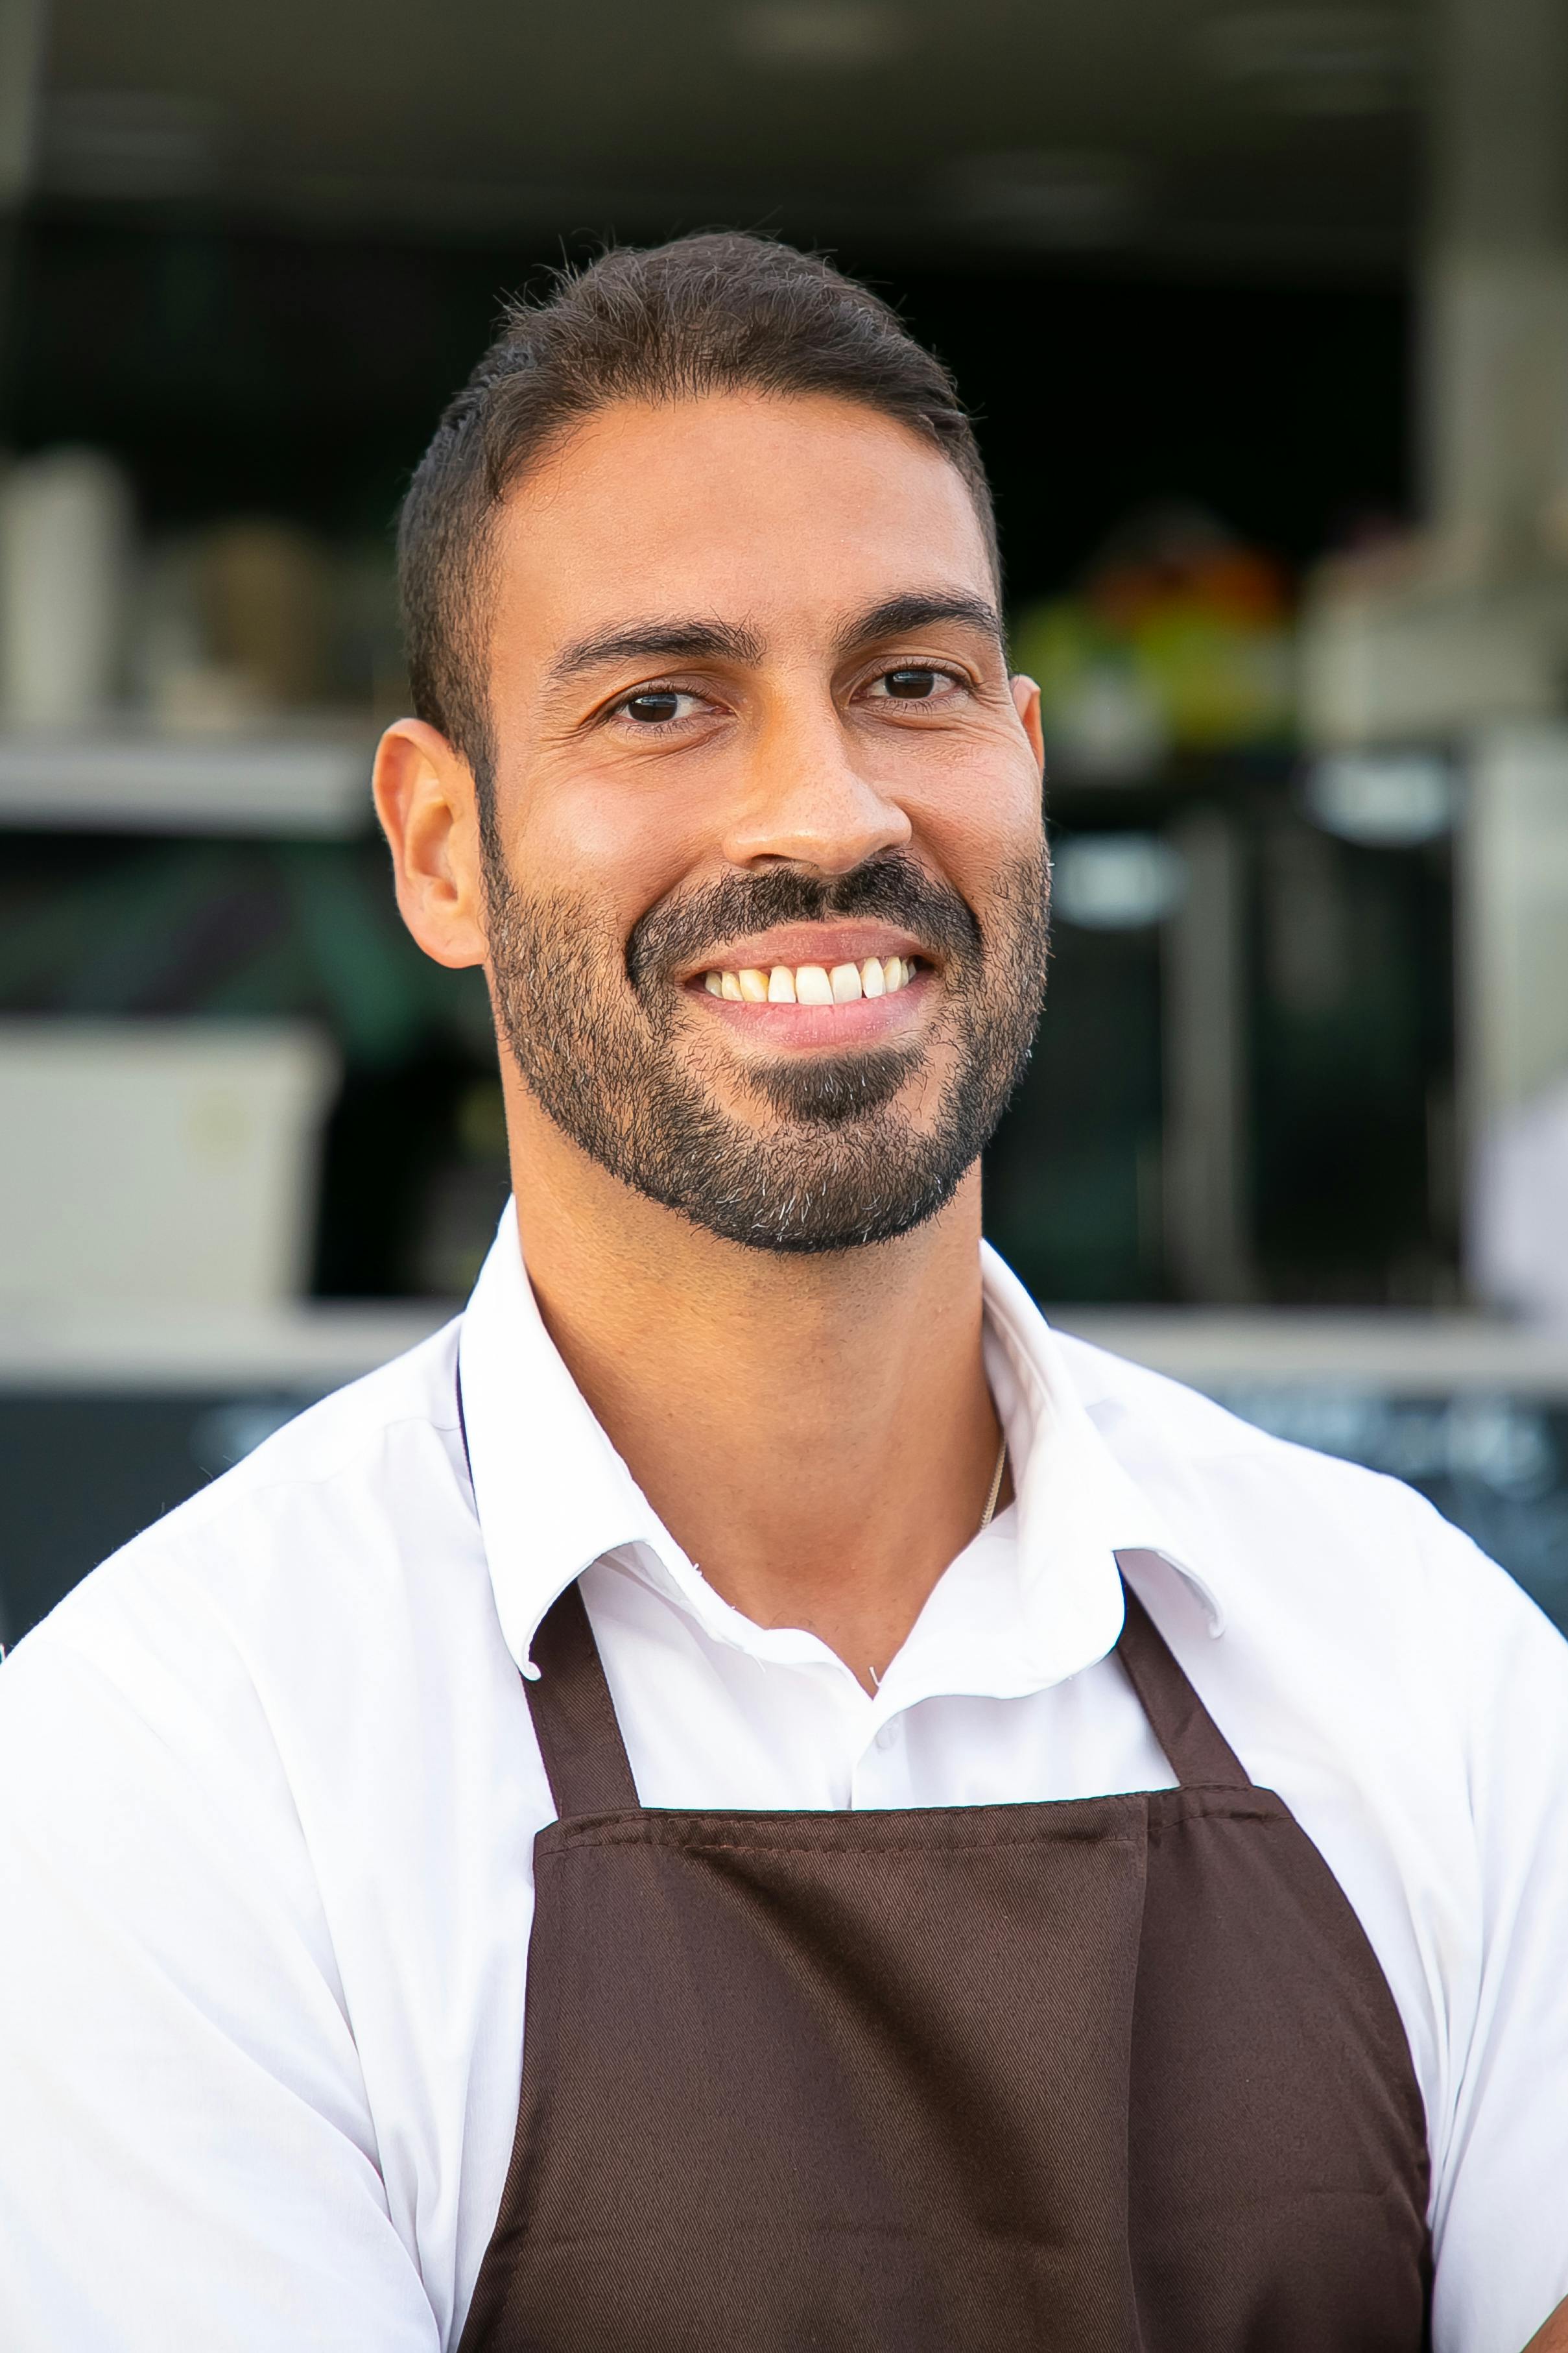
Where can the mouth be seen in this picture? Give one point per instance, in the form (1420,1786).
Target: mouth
(812,983)
(818,986)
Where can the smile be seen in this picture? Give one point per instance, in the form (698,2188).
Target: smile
(813,984)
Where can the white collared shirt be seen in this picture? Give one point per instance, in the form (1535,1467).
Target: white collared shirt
(268,1792)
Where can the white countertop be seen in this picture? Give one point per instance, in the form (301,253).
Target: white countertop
(309,1346)
(290,781)
(1418,1356)
(313,1346)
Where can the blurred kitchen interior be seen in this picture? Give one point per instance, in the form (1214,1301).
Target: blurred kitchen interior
(1264,311)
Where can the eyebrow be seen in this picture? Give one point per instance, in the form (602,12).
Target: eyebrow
(657,640)
(922,609)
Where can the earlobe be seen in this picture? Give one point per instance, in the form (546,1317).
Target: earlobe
(424,799)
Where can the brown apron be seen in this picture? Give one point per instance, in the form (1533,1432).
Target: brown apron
(1112,2075)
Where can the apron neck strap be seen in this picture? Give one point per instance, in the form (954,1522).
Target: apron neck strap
(574,1717)
(1197,1751)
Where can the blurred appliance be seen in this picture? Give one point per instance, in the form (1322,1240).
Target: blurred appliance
(1467,622)
(1073,1178)
(1458,636)
(65,553)
(156,1165)
(1513,939)
(1242,1087)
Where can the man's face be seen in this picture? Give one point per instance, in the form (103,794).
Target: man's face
(765,876)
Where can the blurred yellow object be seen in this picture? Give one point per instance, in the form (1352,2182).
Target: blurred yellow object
(1220,684)
(267,590)
(1100,713)
(1180,637)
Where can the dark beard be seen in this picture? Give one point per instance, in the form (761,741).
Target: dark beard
(842,1168)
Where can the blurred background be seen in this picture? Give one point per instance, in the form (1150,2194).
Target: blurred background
(1263,310)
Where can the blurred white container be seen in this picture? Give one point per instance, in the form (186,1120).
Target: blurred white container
(66,522)
(158,1164)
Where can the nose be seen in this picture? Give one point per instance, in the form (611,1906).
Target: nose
(804,802)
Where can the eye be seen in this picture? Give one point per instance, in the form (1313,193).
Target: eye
(914,682)
(658,706)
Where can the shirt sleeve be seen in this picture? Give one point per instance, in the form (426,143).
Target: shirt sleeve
(188,2157)
(1500,2214)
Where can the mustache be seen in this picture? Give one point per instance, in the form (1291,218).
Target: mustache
(682,931)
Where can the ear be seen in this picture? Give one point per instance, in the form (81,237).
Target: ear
(1026,703)
(425,800)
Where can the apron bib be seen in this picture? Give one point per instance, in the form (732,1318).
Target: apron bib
(1110,2075)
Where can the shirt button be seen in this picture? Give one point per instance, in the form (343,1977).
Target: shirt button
(888,1734)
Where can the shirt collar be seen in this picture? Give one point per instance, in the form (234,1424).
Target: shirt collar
(551,1493)
(552,1496)
(1077,1507)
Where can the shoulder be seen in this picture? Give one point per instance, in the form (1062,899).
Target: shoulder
(1261,1508)
(1370,1645)
(353,1440)
(1362,1629)
(1146,1415)
(315,1546)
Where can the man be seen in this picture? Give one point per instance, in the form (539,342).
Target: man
(988,1851)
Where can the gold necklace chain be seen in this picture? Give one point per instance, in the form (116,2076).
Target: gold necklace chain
(984,1519)
(995,1487)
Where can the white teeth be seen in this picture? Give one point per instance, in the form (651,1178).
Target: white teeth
(812,983)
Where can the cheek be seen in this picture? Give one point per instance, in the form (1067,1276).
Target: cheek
(982,823)
(583,836)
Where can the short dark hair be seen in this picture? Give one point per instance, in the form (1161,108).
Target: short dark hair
(720,312)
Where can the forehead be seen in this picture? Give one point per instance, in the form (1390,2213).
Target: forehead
(791,512)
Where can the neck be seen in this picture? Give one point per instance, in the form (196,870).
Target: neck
(815,1431)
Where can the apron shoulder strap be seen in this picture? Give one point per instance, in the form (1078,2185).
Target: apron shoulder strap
(1198,1752)
(574,1716)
